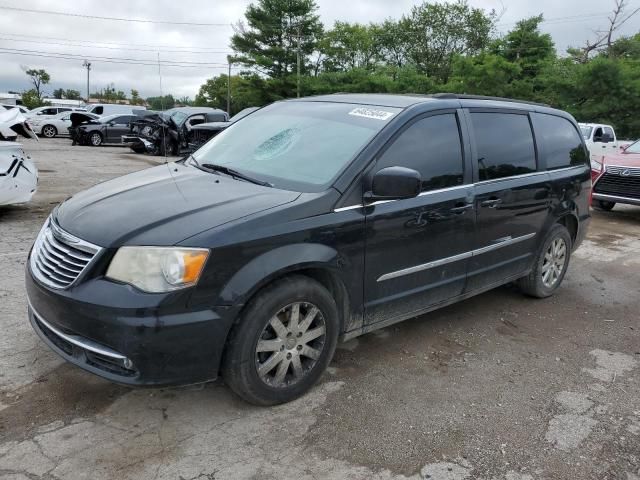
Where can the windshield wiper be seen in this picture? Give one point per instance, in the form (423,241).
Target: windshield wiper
(234,173)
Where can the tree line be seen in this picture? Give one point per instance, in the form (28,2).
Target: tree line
(435,47)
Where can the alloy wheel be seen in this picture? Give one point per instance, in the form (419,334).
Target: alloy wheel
(290,344)
(49,131)
(96,139)
(554,262)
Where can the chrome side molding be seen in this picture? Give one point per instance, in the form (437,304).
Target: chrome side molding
(503,242)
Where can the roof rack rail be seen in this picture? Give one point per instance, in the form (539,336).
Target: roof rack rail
(482,97)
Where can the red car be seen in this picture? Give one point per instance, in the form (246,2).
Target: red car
(616,178)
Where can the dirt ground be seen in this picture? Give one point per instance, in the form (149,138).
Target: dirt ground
(497,387)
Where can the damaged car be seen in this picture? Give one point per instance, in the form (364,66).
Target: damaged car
(18,174)
(89,129)
(201,134)
(167,133)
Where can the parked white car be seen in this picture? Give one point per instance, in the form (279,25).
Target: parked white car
(23,110)
(51,111)
(18,174)
(50,126)
(600,139)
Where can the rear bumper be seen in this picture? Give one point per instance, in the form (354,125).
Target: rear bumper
(97,326)
(616,199)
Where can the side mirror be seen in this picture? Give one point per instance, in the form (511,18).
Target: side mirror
(394,183)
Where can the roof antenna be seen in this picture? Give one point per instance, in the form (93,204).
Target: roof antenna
(164,129)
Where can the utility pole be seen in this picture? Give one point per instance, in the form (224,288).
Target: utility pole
(299,24)
(87,65)
(229,87)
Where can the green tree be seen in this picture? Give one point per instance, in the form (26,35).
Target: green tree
(58,93)
(269,42)
(72,94)
(38,77)
(350,45)
(526,46)
(186,101)
(247,90)
(161,103)
(30,99)
(438,32)
(135,97)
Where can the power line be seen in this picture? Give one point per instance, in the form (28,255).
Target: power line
(154,45)
(117,19)
(124,61)
(561,19)
(93,57)
(123,47)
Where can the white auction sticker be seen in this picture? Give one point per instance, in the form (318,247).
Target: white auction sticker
(371,113)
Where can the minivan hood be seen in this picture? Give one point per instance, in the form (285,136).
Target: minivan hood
(162,206)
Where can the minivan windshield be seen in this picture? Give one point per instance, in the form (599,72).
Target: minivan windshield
(296,145)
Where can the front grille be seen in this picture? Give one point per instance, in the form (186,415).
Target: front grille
(630,171)
(200,137)
(58,258)
(618,185)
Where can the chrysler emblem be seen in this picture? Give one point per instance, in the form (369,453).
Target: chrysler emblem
(625,173)
(62,236)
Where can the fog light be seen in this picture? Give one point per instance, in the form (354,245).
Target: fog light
(128,364)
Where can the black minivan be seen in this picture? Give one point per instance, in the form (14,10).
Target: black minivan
(307,222)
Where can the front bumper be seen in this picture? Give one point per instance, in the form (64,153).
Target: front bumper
(133,141)
(616,199)
(129,337)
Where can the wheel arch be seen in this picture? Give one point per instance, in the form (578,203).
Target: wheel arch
(570,222)
(318,262)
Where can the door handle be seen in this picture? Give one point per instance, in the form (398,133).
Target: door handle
(462,208)
(492,203)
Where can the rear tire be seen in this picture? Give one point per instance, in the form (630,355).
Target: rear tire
(283,343)
(550,265)
(49,131)
(604,205)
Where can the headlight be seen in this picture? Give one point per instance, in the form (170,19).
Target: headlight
(158,269)
(597,166)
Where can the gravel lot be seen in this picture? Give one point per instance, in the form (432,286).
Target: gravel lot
(496,387)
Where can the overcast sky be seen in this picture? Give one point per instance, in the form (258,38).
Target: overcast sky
(209,44)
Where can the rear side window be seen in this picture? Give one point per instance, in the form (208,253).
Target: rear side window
(98,110)
(215,117)
(609,131)
(505,145)
(560,140)
(432,147)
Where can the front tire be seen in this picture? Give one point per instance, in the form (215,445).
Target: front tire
(283,343)
(550,265)
(604,205)
(95,139)
(49,131)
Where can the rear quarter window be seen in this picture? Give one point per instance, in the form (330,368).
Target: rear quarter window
(561,142)
(504,143)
